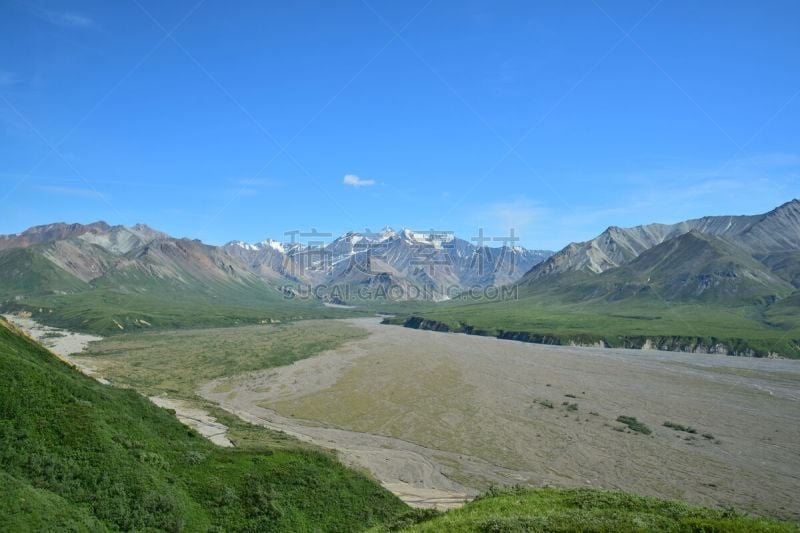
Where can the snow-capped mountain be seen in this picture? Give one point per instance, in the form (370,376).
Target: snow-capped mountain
(62,258)
(436,260)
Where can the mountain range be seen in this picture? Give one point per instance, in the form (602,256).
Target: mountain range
(724,258)
(722,284)
(702,278)
(59,262)
(436,261)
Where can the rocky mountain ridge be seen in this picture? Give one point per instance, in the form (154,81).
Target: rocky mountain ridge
(132,258)
(762,236)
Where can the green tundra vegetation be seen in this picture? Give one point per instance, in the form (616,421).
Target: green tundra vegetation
(572,510)
(156,362)
(78,455)
(748,329)
(108,311)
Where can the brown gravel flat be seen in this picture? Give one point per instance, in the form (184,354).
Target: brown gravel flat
(438,416)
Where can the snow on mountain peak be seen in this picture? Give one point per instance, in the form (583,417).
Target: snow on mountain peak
(275,245)
(386,234)
(353,237)
(435,238)
(268,243)
(242,244)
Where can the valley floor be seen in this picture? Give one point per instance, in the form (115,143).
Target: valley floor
(438,416)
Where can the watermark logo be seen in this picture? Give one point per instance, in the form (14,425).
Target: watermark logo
(395,292)
(410,265)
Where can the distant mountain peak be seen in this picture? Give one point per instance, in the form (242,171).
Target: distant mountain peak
(140,226)
(275,245)
(777,231)
(266,244)
(386,233)
(788,207)
(408,258)
(431,237)
(243,245)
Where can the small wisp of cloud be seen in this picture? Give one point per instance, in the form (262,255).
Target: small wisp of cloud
(68,19)
(252,186)
(355,181)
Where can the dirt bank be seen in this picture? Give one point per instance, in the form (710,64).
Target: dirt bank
(61,342)
(196,418)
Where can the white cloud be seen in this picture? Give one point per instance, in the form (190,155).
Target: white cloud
(67,18)
(355,181)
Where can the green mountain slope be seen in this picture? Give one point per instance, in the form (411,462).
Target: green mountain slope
(26,272)
(691,267)
(168,283)
(786,265)
(78,455)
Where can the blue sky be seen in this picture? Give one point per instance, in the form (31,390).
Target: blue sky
(242,120)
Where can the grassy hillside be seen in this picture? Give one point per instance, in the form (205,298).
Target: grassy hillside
(586,511)
(26,272)
(78,455)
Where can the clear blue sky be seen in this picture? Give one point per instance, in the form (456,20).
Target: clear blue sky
(556,117)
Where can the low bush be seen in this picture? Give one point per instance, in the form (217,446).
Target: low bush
(634,425)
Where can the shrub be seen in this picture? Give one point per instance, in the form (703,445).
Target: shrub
(634,425)
(412,518)
(194,458)
(679,427)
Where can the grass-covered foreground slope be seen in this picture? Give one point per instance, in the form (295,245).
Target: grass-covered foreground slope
(585,510)
(78,455)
